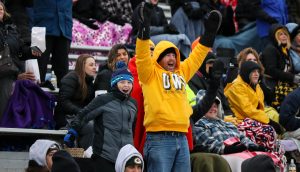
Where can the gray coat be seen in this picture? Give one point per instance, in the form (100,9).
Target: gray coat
(114,115)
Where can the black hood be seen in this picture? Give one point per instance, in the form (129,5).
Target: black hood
(246,68)
(202,68)
(272,32)
(63,161)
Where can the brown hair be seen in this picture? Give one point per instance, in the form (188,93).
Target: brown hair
(6,14)
(112,55)
(80,70)
(241,57)
(33,166)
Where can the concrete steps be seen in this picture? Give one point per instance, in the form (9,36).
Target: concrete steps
(13,161)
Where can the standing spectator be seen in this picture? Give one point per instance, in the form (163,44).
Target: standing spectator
(114,114)
(137,94)
(40,155)
(129,160)
(56,16)
(18,51)
(163,80)
(117,53)
(77,91)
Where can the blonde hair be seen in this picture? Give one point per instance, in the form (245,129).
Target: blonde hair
(6,14)
(285,31)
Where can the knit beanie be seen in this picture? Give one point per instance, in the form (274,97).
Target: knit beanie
(246,68)
(164,53)
(121,73)
(259,163)
(63,161)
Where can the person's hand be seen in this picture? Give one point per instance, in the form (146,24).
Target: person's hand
(35,51)
(117,20)
(272,20)
(187,8)
(217,70)
(276,126)
(253,148)
(26,75)
(89,23)
(212,25)
(70,138)
(144,11)
(170,29)
(235,148)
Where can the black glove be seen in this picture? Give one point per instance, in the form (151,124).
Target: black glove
(195,13)
(235,148)
(89,23)
(144,11)
(101,17)
(212,25)
(271,20)
(117,20)
(276,126)
(217,70)
(259,148)
(170,29)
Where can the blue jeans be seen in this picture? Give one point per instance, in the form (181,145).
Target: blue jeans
(167,153)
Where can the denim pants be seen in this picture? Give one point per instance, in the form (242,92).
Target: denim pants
(167,153)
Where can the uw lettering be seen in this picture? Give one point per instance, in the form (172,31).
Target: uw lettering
(178,81)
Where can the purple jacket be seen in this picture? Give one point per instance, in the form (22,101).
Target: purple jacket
(29,107)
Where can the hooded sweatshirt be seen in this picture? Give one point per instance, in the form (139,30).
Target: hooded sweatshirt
(124,155)
(165,97)
(246,100)
(38,151)
(63,161)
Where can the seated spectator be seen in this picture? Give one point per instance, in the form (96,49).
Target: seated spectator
(18,51)
(114,114)
(294,30)
(129,160)
(101,23)
(212,134)
(290,110)
(77,91)
(279,70)
(40,155)
(261,163)
(117,53)
(246,97)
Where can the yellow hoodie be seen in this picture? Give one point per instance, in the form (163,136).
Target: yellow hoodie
(165,99)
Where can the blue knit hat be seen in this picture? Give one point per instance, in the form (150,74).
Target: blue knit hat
(121,73)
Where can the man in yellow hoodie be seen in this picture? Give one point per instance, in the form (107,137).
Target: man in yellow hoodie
(164,79)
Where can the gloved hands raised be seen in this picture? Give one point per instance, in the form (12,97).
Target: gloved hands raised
(70,137)
(144,20)
(170,29)
(276,126)
(253,148)
(235,148)
(89,23)
(217,70)
(212,25)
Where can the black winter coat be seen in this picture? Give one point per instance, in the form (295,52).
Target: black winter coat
(69,101)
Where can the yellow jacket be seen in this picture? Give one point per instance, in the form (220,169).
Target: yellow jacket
(165,99)
(245,102)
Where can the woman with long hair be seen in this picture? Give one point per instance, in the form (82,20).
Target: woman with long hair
(76,91)
(117,53)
